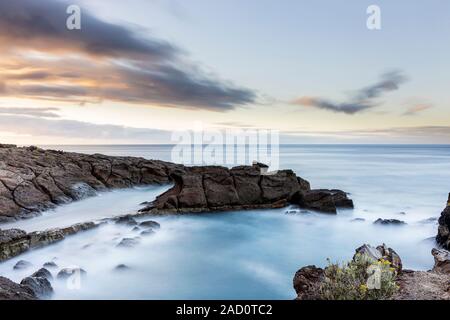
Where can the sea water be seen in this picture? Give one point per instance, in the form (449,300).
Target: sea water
(251,254)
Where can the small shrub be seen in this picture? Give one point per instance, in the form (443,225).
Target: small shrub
(363,278)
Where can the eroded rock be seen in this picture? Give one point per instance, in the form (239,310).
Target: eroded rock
(443,236)
(10,290)
(41,287)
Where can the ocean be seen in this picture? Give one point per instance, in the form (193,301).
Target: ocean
(252,254)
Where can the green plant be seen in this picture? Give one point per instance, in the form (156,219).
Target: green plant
(363,278)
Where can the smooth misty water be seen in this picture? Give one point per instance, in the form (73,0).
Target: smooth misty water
(252,255)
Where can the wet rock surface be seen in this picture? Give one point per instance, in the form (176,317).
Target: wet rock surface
(443,236)
(14,241)
(40,286)
(392,222)
(33,179)
(66,273)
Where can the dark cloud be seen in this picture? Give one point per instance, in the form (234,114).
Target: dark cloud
(34,112)
(363,99)
(112,62)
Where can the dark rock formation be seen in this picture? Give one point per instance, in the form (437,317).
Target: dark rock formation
(126,220)
(41,287)
(307,282)
(10,290)
(203,189)
(441,261)
(148,232)
(50,265)
(14,242)
(389,222)
(443,237)
(322,200)
(121,267)
(33,179)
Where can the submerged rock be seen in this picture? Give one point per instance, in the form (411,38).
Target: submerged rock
(148,232)
(322,200)
(22,264)
(50,264)
(443,236)
(66,273)
(126,220)
(150,224)
(128,242)
(389,222)
(122,267)
(41,287)
(10,290)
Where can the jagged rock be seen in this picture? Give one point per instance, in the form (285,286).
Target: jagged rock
(41,287)
(22,264)
(441,260)
(358,220)
(128,242)
(33,179)
(42,273)
(201,189)
(389,222)
(10,290)
(66,273)
(443,236)
(12,243)
(381,252)
(307,283)
(150,224)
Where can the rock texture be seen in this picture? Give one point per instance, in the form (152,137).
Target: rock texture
(381,252)
(441,261)
(203,189)
(14,241)
(443,237)
(307,282)
(40,286)
(10,290)
(33,179)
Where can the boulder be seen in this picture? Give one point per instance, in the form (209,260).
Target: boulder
(327,201)
(393,222)
(50,265)
(42,273)
(441,260)
(66,273)
(10,290)
(121,267)
(128,242)
(150,224)
(126,220)
(41,287)
(307,283)
(443,236)
(381,252)
(22,264)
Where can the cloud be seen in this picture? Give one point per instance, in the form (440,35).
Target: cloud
(363,99)
(34,112)
(72,129)
(415,109)
(42,59)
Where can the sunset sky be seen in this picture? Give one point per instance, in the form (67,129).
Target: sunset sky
(139,69)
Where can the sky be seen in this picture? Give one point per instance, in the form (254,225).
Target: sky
(138,70)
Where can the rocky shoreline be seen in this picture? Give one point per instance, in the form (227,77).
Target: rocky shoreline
(33,180)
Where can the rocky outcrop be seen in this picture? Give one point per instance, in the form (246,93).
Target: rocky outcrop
(441,261)
(40,286)
(33,179)
(443,237)
(203,189)
(10,290)
(14,241)
(379,253)
(391,222)
(413,285)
